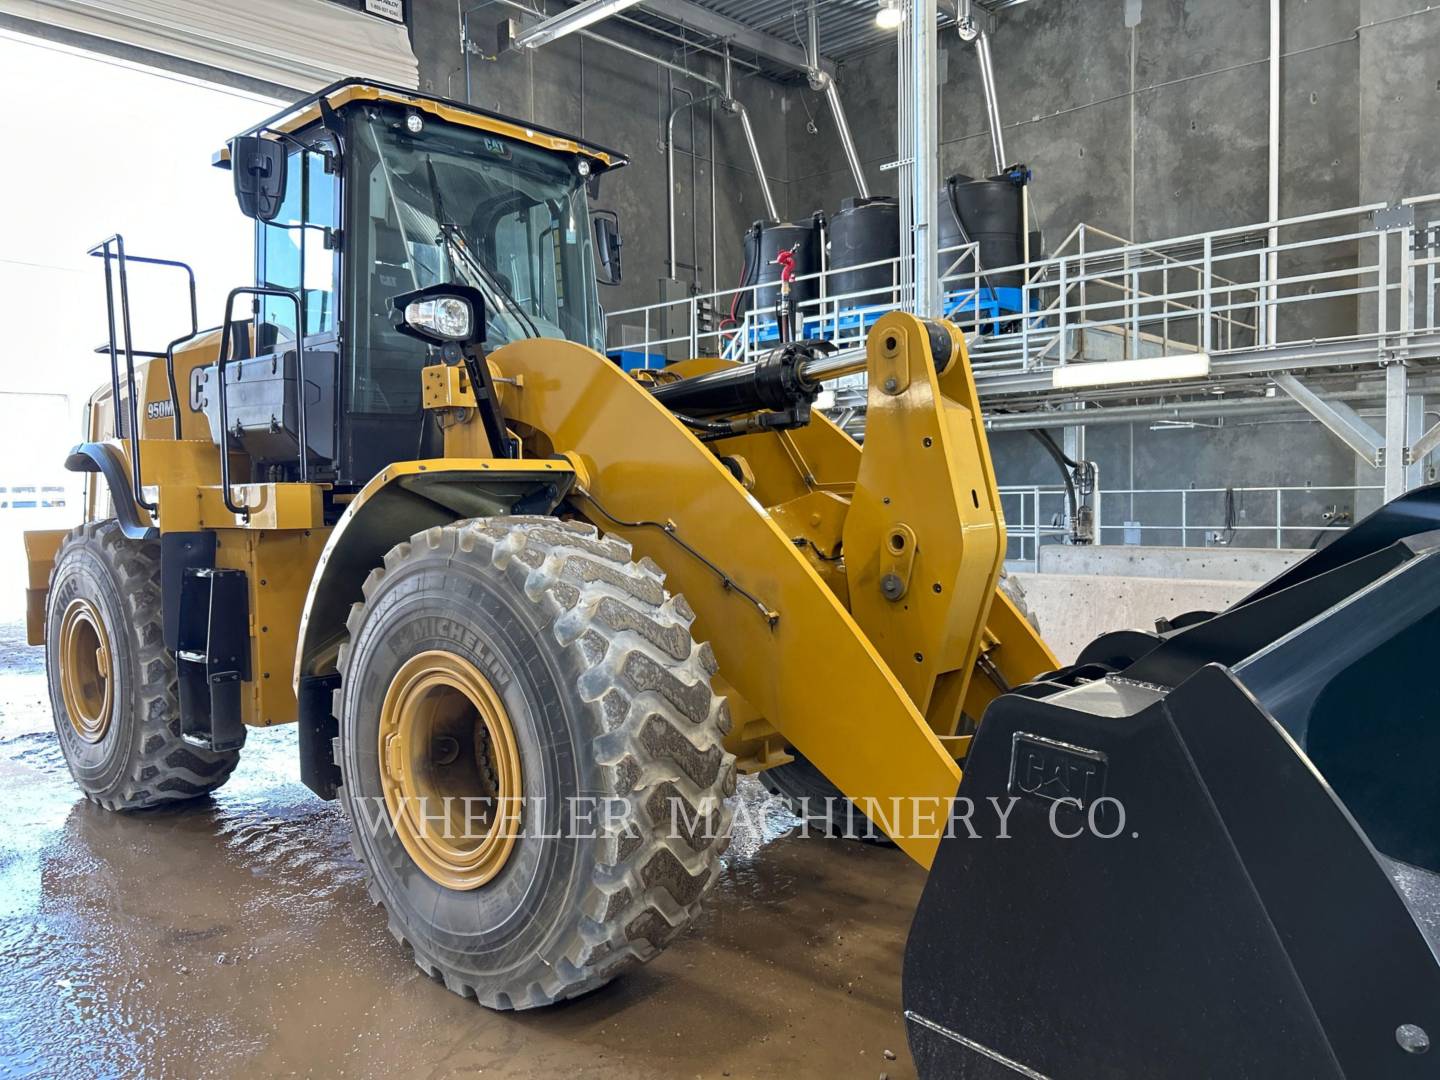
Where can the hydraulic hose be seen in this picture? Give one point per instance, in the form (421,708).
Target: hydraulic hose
(1065,464)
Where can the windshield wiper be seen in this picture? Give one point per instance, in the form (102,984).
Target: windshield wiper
(440,219)
(452,240)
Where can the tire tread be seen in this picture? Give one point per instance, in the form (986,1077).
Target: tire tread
(657,732)
(163,767)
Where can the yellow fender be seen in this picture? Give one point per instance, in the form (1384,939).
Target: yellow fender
(407,498)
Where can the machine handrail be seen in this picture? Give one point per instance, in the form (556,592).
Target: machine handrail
(103,250)
(223,358)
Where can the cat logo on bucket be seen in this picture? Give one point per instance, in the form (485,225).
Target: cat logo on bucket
(1051,770)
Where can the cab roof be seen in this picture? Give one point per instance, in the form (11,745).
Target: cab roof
(307,110)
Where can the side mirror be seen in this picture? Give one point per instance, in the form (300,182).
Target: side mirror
(441,314)
(606,224)
(258,167)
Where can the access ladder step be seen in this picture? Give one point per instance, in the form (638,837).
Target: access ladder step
(213,656)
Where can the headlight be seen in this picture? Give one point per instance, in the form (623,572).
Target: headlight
(441,314)
(447,317)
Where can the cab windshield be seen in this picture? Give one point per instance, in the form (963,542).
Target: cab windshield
(455,204)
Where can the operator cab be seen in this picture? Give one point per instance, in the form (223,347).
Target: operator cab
(362,193)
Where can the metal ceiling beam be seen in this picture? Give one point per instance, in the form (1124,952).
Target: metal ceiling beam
(583,14)
(692,15)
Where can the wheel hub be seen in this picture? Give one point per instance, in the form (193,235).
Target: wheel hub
(85,670)
(450,769)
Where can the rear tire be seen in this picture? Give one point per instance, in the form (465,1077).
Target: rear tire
(112,682)
(816,800)
(607,699)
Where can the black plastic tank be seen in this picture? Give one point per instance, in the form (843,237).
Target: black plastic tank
(775,237)
(864,231)
(990,213)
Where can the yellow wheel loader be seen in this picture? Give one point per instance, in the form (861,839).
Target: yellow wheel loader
(531,614)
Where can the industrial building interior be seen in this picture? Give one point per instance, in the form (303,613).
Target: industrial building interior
(1174,266)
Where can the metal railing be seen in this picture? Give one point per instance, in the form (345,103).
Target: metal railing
(1247,517)
(1355,284)
(124,399)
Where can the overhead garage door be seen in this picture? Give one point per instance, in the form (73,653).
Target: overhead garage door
(302,44)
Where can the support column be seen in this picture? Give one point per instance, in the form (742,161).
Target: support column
(1396,429)
(924,118)
(1272,259)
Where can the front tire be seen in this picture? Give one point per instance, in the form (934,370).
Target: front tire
(537,636)
(112,682)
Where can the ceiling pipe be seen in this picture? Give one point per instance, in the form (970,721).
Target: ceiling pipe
(970,31)
(822,81)
(847,144)
(619,46)
(730,104)
(812,43)
(1141,414)
(770,210)
(992,101)
(583,14)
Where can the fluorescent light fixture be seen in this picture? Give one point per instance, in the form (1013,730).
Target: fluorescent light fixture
(1143,369)
(567,22)
(889,17)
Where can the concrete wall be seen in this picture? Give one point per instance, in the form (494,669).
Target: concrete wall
(1073,610)
(1184,564)
(1399,109)
(1160,129)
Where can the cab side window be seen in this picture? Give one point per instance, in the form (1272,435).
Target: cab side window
(309,208)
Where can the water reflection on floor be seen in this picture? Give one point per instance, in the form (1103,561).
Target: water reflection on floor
(234,936)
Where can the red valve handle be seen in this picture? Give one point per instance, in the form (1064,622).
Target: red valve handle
(786,261)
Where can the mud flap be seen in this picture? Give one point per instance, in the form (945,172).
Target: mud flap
(1189,886)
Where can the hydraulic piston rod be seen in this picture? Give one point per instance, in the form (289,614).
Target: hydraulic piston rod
(782,378)
(837,365)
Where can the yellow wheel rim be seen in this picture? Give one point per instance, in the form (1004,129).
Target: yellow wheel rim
(450,770)
(86,684)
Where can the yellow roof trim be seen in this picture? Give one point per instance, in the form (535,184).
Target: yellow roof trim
(465,117)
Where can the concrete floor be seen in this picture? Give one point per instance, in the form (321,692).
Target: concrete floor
(234,937)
